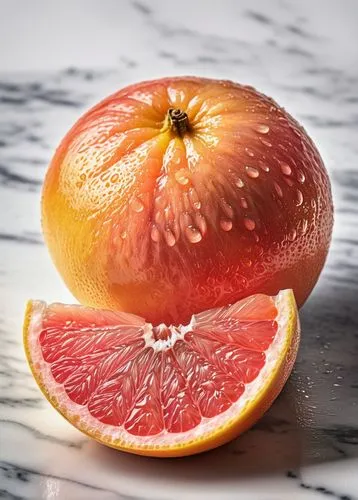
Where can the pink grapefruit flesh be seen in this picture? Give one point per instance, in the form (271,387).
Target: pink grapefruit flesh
(163,390)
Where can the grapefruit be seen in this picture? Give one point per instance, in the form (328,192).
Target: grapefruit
(158,390)
(178,195)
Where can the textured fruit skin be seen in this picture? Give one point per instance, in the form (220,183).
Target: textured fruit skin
(139,219)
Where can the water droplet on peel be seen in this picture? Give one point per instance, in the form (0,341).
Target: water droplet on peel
(137,205)
(83,177)
(249,152)
(262,129)
(243,202)
(252,172)
(226,224)
(185,219)
(292,235)
(301,176)
(193,195)
(158,216)
(186,202)
(239,183)
(247,262)
(285,168)
(265,142)
(201,222)
(193,234)
(154,234)
(227,209)
(124,235)
(264,167)
(169,238)
(278,189)
(79,184)
(249,224)
(181,177)
(114,178)
(299,198)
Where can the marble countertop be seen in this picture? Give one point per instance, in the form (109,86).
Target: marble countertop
(69,55)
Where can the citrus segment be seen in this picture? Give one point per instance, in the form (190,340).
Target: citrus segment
(163,390)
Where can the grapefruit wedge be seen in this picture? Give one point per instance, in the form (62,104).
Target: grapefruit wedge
(163,391)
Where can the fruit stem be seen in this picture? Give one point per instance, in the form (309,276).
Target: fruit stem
(179,121)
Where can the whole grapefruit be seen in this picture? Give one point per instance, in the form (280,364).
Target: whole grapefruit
(177,195)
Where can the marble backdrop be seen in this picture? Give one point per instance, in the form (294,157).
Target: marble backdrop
(55,62)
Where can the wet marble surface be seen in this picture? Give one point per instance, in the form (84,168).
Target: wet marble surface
(305,55)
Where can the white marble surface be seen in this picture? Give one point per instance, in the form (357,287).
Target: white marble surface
(57,59)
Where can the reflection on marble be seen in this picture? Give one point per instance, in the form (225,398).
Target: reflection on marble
(307,444)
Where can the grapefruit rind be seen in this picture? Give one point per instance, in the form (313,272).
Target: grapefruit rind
(211,432)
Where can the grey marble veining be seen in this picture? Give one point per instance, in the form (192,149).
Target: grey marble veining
(305,55)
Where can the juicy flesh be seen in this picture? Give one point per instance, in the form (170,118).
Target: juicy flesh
(158,379)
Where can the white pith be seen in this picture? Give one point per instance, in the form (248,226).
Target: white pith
(118,435)
(176,333)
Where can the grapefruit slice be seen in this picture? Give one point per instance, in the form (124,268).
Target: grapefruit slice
(163,391)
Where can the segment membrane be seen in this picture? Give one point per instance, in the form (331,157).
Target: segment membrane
(130,374)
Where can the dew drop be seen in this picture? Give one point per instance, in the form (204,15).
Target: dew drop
(169,238)
(239,183)
(124,235)
(194,199)
(278,189)
(226,224)
(168,214)
(185,219)
(83,177)
(265,142)
(249,152)
(137,205)
(252,172)
(292,235)
(249,224)
(288,181)
(186,202)
(301,176)
(227,209)
(247,262)
(114,178)
(181,177)
(285,168)
(158,216)
(154,234)
(262,129)
(201,222)
(193,234)
(264,167)
(299,198)
(243,202)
